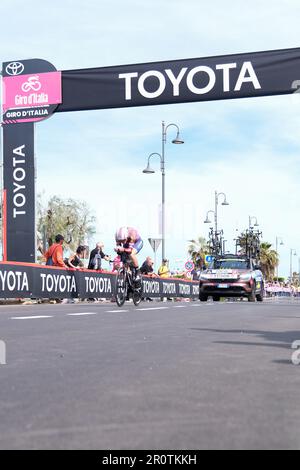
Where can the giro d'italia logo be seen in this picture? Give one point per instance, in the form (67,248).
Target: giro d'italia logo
(14,68)
(32,84)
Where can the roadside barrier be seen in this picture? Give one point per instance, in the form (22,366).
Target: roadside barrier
(26,280)
(277,291)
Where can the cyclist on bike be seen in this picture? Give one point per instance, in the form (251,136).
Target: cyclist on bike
(129,243)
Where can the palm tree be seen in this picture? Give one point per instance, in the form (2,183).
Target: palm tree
(198,249)
(269,260)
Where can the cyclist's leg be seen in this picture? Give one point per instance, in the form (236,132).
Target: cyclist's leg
(135,250)
(134,258)
(137,273)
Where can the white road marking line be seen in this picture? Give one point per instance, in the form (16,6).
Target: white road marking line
(81,314)
(180,306)
(116,311)
(32,317)
(153,308)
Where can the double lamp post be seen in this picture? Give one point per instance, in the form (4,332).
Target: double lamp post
(149,170)
(215,212)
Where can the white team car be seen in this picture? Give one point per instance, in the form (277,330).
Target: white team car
(232,276)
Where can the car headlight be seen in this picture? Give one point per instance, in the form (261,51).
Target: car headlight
(245,277)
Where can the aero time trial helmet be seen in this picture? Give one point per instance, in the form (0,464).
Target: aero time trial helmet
(121,234)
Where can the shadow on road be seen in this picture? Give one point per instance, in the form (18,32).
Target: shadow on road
(247,343)
(272,339)
(283,338)
(285,362)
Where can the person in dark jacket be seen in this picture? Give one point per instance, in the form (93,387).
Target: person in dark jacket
(147,267)
(97,255)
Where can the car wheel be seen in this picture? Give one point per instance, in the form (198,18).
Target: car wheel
(260,296)
(216,298)
(203,298)
(252,296)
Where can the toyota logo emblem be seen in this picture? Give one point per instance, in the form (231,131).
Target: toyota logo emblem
(14,68)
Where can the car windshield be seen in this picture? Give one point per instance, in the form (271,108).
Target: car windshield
(231,264)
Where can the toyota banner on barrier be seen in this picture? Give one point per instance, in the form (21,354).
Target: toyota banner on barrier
(25,280)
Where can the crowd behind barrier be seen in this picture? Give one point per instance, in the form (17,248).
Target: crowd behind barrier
(60,278)
(54,256)
(67,278)
(26,280)
(281,290)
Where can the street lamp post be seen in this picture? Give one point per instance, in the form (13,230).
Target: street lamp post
(149,170)
(292,253)
(224,203)
(207,221)
(215,212)
(250,222)
(216,240)
(278,240)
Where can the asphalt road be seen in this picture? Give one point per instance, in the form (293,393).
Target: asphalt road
(160,376)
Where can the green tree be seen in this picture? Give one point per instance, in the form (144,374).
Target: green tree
(71,218)
(197,250)
(248,243)
(269,260)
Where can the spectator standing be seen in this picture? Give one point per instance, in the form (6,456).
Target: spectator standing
(54,255)
(195,274)
(75,260)
(147,270)
(116,263)
(147,267)
(96,257)
(164,270)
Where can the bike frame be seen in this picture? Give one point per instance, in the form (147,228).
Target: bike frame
(128,281)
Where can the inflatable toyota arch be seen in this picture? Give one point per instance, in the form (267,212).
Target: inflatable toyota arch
(33,90)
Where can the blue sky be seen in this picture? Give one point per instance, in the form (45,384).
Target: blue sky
(248,148)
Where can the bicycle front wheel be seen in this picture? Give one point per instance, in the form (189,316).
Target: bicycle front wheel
(137,295)
(121,287)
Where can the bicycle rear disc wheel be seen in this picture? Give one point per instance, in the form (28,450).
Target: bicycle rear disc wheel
(121,287)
